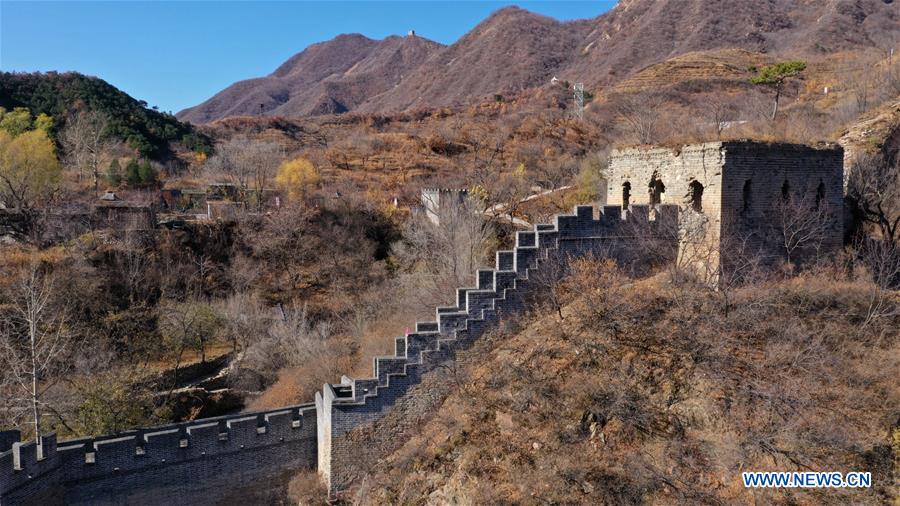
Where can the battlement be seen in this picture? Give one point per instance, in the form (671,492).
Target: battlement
(734,193)
(209,453)
(498,292)
(27,466)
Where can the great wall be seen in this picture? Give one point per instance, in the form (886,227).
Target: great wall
(209,461)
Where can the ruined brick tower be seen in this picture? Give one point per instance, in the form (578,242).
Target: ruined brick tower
(739,199)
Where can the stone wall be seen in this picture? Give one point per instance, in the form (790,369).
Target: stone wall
(199,462)
(763,182)
(209,461)
(348,411)
(436,201)
(733,195)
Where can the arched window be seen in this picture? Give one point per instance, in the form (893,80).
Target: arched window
(820,194)
(695,195)
(748,196)
(785,190)
(626,194)
(657,188)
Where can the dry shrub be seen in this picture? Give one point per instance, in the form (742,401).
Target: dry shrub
(666,399)
(307,489)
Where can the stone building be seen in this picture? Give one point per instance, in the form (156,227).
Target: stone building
(113,213)
(438,200)
(739,200)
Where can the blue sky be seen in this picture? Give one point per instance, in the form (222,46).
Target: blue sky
(175,54)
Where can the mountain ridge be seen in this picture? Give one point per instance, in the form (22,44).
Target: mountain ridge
(514,49)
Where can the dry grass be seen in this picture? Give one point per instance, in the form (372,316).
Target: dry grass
(649,393)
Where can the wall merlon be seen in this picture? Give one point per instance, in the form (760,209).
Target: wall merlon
(612,214)
(426,326)
(385,366)
(525,239)
(584,214)
(524,259)
(505,260)
(450,322)
(547,238)
(461,297)
(504,280)
(485,279)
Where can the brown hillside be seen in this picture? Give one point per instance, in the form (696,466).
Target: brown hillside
(648,393)
(329,77)
(727,64)
(510,50)
(514,49)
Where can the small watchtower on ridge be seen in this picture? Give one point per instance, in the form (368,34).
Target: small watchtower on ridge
(436,201)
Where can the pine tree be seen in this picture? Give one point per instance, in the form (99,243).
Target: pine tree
(147,173)
(774,76)
(114,173)
(133,173)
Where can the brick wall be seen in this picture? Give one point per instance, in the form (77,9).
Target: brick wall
(201,461)
(741,204)
(348,412)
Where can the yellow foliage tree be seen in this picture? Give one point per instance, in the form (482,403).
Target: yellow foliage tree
(29,169)
(43,122)
(297,176)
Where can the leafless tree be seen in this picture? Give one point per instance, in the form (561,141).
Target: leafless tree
(801,227)
(186,325)
(245,319)
(639,116)
(86,144)
(293,339)
(33,344)
(251,165)
(719,111)
(882,260)
(548,279)
(444,256)
(133,263)
(873,187)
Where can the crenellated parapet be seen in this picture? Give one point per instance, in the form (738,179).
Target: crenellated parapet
(94,470)
(204,461)
(500,292)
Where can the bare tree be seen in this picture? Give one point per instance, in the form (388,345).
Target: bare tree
(873,188)
(86,143)
(883,262)
(251,165)
(186,325)
(444,256)
(292,340)
(33,344)
(720,111)
(548,277)
(801,227)
(638,116)
(244,319)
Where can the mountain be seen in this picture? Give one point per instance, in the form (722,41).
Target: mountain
(329,77)
(510,50)
(147,131)
(638,33)
(514,49)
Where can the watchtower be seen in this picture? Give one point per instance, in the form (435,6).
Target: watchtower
(738,199)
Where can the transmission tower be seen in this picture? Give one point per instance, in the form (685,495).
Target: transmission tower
(579,100)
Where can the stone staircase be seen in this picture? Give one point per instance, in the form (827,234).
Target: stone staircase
(499,293)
